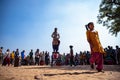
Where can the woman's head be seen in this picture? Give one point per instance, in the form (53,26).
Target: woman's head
(91,25)
(71,46)
(1,47)
(8,50)
(55,29)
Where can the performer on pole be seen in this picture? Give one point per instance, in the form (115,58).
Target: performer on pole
(55,43)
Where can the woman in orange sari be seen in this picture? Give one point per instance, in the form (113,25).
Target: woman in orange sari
(97,50)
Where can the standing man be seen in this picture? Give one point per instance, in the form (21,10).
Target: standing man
(72,61)
(55,43)
(117,51)
(31,57)
(1,55)
(37,57)
(23,55)
(16,62)
(97,50)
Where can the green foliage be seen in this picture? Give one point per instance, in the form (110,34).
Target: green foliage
(109,15)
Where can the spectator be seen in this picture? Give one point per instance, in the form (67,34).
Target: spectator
(37,56)
(16,62)
(1,55)
(31,57)
(71,56)
(12,57)
(117,55)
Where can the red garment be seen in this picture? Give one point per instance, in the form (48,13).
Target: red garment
(8,61)
(98,59)
(55,56)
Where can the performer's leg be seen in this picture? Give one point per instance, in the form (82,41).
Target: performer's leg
(70,62)
(99,62)
(56,48)
(92,60)
(53,48)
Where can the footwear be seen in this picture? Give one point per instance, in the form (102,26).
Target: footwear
(92,66)
(100,70)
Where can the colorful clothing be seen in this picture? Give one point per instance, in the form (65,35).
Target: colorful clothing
(93,39)
(96,49)
(22,55)
(12,55)
(7,58)
(98,59)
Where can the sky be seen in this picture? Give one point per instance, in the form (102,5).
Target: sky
(28,24)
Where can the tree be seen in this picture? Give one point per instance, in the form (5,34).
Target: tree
(109,15)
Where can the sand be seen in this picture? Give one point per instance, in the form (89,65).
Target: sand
(81,72)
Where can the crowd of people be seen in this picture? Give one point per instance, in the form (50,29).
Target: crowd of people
(112,56)
(16,58)
(97,55)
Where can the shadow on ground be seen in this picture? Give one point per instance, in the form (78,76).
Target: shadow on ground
(75,73)
(80,67)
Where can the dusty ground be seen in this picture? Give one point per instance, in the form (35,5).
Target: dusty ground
(81,72)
